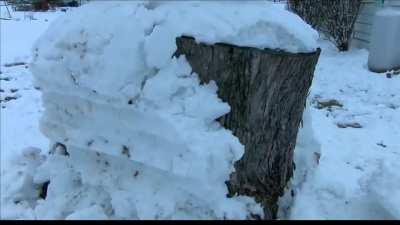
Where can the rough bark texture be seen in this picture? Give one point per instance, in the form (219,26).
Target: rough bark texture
(267,92)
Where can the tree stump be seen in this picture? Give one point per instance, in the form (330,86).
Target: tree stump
(267,91)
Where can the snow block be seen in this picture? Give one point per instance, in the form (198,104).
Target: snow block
(385,41)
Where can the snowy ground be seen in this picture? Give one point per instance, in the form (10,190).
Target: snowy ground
(19,117)
(356,177)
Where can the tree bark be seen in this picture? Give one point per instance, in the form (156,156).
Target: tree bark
(267,92)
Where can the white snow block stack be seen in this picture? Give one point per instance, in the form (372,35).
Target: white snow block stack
(384,52)
(140,130)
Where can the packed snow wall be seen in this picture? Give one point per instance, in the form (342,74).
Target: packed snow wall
(135,134)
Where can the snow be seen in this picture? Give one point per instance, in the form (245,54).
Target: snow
(111,86)
(354,178)
(17,38)
(14,33)
(151,34)
(20,116)
(90,213)
(388,11)
(262,24)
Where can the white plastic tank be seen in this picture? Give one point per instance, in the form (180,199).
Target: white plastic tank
(384,51)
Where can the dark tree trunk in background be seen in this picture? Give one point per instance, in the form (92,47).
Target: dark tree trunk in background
(41,5)
(334,18)
(267,92)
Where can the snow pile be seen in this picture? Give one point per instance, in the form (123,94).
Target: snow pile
(110,86)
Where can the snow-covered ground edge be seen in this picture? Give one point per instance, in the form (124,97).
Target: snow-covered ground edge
(360,141)
(21,105)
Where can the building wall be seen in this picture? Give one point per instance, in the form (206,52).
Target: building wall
(363,25)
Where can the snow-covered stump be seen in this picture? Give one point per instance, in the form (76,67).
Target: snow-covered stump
(267,91)
(135,132)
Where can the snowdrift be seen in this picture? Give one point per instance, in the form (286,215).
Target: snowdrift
(139,132)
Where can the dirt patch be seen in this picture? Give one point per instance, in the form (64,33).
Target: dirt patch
(329,103)
(5,78)
(9,98)
(15,64)
(351,125)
